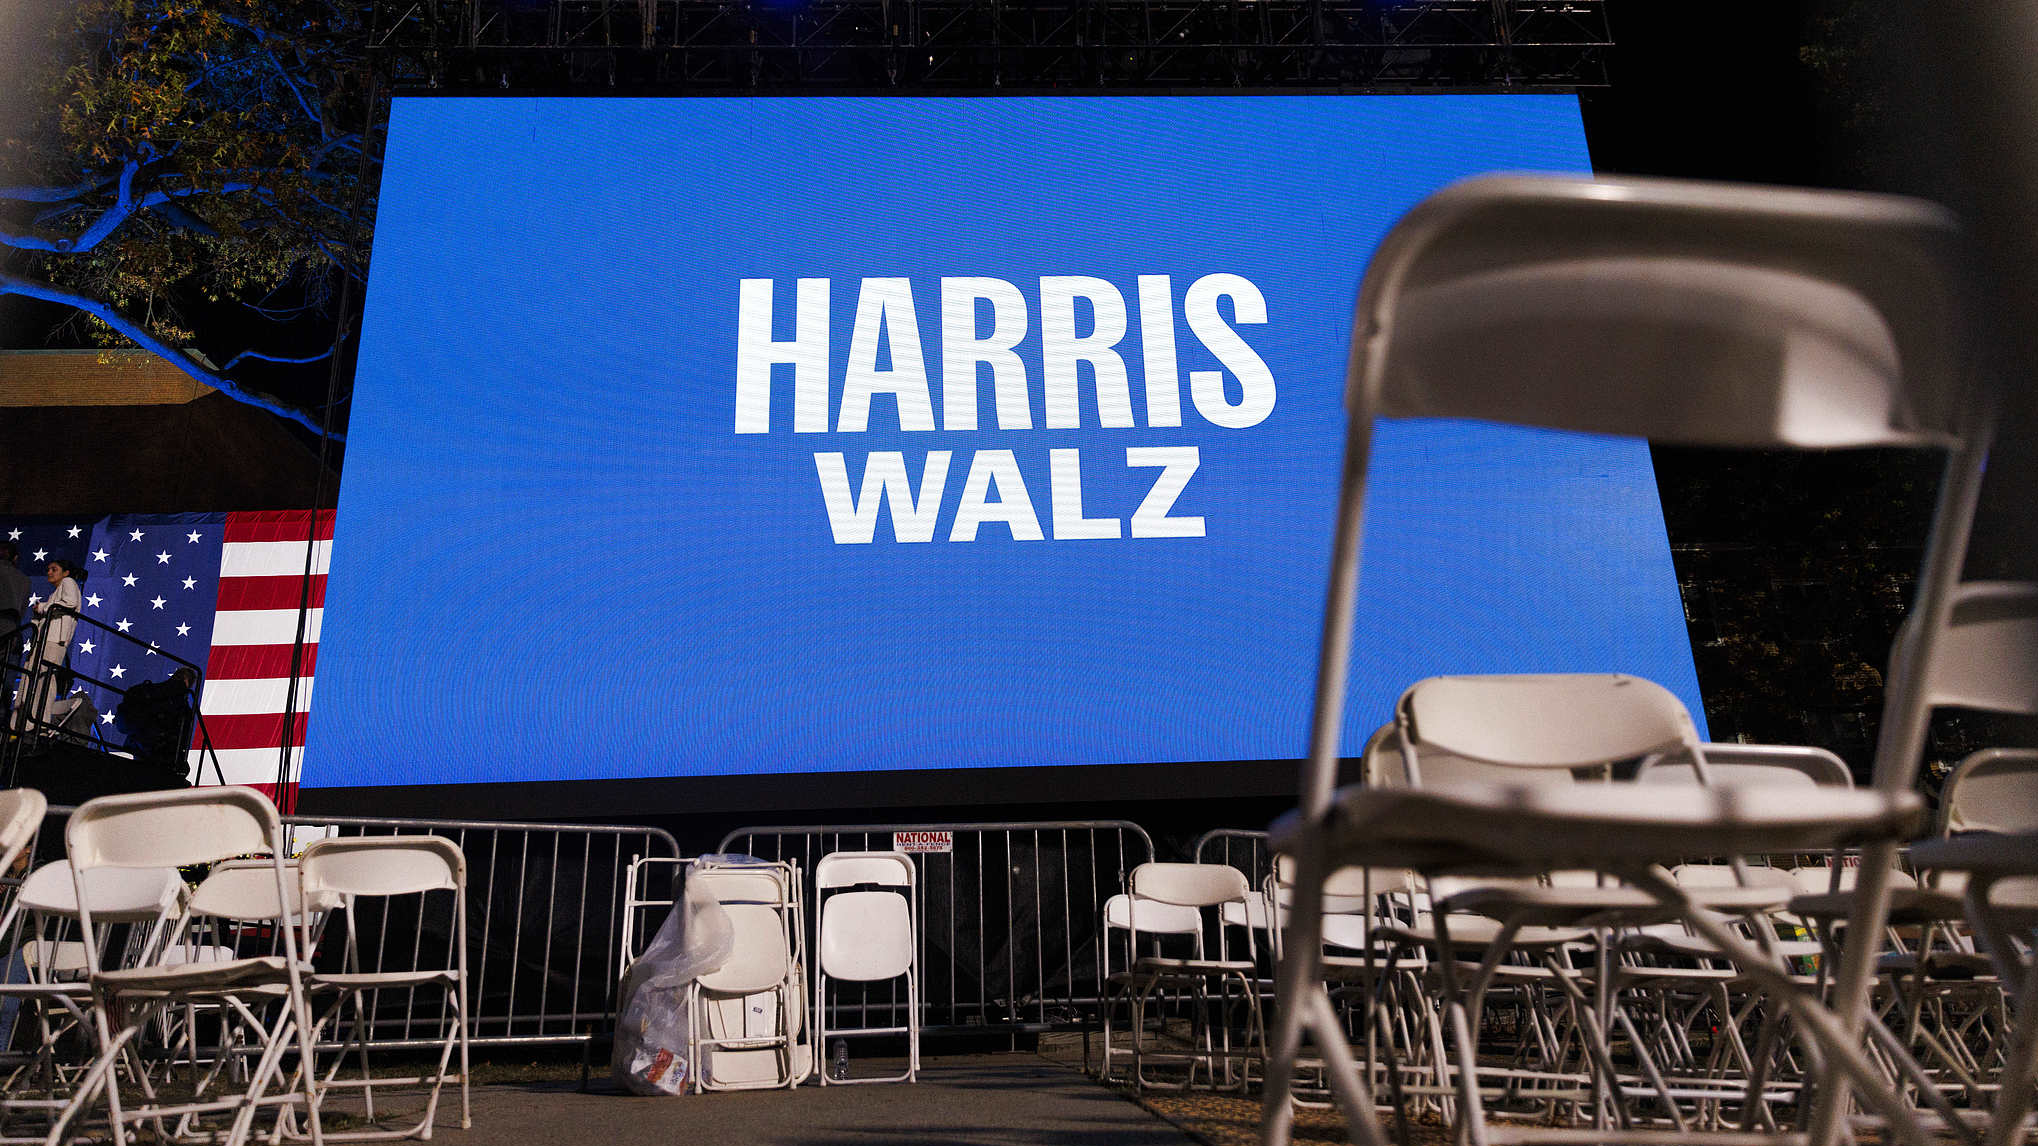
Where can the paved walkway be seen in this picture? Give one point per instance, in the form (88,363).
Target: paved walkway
(989,1100)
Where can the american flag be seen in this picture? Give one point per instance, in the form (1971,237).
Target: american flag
(219,590)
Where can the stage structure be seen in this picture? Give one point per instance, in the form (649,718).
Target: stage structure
(962,45)
(683,667)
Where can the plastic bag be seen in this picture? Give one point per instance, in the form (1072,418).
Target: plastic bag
(650,1054)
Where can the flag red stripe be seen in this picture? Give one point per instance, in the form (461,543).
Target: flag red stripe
(256,730)
(289,801)
(285,592)
(277,525)
(254,662)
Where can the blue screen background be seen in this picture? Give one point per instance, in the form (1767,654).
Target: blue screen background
(556,560)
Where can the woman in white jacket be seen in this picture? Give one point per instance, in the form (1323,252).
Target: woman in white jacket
(54,643)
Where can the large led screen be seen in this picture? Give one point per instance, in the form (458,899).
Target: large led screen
(705,437)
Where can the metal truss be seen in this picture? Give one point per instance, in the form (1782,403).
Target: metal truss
(663,45)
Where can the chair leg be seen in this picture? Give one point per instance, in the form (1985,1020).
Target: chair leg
(1298,980)
(2013,1100)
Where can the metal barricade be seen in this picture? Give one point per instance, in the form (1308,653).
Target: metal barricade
(545,925)
(650,889)
(1245,850)
(1010,913)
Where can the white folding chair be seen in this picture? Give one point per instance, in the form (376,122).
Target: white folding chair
(21,817)
(55,961)
(1160,922)
(869,933)
(1702,314)
(748,1014)
(1987,658)
(1213,985)
(182,829)
(337,874)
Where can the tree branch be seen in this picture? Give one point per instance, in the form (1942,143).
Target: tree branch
(261,357)
(124,206)
(135,332)
(52,194)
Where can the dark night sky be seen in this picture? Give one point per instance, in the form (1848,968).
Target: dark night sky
(1708,91)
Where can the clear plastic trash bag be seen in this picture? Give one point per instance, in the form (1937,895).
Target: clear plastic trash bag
(650,1054)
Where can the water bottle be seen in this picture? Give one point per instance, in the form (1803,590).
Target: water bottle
(839,1070)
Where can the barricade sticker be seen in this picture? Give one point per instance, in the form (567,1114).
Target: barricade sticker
(923,843)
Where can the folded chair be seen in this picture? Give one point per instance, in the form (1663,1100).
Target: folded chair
(869,934)
(1700,314)
(183,829)
(347,874)
(749,1030)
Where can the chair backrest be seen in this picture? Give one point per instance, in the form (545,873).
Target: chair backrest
(176,829)
(1346,891)
(380,866)
(243,889)
(1552,721)
(1386,766)
(1189,884)
(21,815)
(866,936)
(152,899)
(1986,654)
(1768,765)
(761,956)
(1701,313)
(338,871)
(850,869)
(1154,917)
(757,899)
(1994,790)
(762,884)
(171,829)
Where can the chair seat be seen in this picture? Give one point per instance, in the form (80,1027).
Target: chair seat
(211,954)
(1603,906)
(1478,931)
(1347,967)
(1945,965)
(1699,947)
(1350,932)
(1151,963)
(1505,829)
(223,975)
(380,979)
(1908,906)
(1988,852)
(1660,977)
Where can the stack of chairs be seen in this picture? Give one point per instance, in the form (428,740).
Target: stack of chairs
(749,1014)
